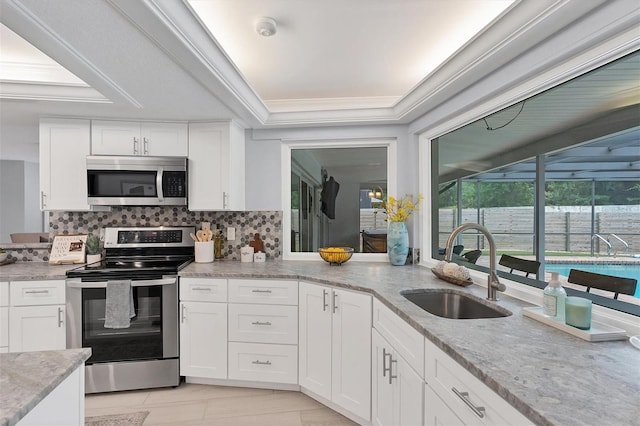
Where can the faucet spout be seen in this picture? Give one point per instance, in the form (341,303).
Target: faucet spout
(493,283)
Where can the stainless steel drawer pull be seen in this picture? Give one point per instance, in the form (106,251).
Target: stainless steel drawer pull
(335,302)
(384,361)
(464,396)
(325,305)
(261,362)
(201,289)
(257,290)
(391,362)
(183,315)
(261,323)
(60,321)
(37,292)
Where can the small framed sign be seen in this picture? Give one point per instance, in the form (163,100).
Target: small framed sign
(68,249)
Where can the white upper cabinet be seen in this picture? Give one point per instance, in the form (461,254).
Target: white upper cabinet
(64,146)
(134,138)
(216,166)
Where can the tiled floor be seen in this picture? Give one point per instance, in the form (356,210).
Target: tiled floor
(191,404)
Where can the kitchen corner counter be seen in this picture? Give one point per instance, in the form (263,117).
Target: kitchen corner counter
(551,377)
(26,378)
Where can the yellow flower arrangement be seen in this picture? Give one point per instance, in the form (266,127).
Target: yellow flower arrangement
(399,210)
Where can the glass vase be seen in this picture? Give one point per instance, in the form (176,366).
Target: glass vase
(397,243)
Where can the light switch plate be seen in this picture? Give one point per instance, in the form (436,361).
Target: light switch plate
(231,234)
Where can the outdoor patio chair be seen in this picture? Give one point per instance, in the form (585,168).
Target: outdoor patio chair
(518,264)
(472,255)
(611,283)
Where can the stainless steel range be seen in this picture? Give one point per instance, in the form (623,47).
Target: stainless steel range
(144,354)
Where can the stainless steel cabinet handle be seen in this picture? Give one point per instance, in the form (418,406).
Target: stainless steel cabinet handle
(335,302)
(384,361)
(37,292)
(258,362)
(257,290)
(464,396)
(60,316)
(145,146)
(391,362)
(183,311)
(225,197)
(135,146)
(261,323)
(325,305)
(201,288)
(42,199)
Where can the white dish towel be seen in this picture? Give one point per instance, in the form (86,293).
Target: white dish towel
(119,307)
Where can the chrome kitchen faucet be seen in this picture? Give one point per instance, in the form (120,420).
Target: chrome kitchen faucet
(493,283)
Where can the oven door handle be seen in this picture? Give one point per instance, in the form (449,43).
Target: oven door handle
(77,283)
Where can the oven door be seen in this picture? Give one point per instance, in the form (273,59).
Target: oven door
(153,333)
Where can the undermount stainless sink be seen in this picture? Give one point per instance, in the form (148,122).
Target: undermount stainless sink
(452,304)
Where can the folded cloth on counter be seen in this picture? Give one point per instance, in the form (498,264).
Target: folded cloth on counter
(119,307)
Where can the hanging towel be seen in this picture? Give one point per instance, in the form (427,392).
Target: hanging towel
(119,307)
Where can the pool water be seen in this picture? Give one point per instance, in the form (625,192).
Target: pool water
(626,270)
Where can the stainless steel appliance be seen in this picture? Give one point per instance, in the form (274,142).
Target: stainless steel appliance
(136,180)
(145,355)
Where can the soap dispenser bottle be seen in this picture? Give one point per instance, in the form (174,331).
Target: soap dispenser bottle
(553,298)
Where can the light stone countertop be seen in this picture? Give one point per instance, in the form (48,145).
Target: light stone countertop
(551,377)
(26,378)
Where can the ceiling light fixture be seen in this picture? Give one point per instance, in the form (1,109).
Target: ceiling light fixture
(265,26)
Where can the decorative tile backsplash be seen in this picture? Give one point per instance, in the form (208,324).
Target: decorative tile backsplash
(267,223)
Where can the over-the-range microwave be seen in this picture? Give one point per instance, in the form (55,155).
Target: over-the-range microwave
(136,180)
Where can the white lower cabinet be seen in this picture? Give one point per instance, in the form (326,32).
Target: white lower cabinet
(263,362)
(36,316)
(436,412)
(396,388)
(335,346)
(467,398)
(203,328)
(263,331)
(203,340)
(4,317)
(36,328)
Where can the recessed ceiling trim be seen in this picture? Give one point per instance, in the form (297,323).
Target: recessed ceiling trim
(50,92)
(14,11)
(177,30)
(43,73)
(329,104)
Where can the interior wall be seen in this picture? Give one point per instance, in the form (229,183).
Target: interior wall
(19,204)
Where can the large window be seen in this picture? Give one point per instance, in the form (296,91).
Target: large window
(554,178)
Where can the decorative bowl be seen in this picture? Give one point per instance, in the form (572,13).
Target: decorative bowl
(336,255)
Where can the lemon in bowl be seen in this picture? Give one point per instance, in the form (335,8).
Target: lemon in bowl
(336,255)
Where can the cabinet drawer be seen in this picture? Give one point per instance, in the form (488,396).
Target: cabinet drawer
(4,293)
(33,293)
(263,323)
(404,338)
(264,363)
(451,381)
(272,292)
(203,289)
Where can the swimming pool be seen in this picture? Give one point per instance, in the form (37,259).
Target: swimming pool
(622,270)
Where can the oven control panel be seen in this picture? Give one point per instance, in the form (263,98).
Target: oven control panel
(151,236)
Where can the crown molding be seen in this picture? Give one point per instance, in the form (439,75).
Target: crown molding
(38,72)
(50,92)
(330,104)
